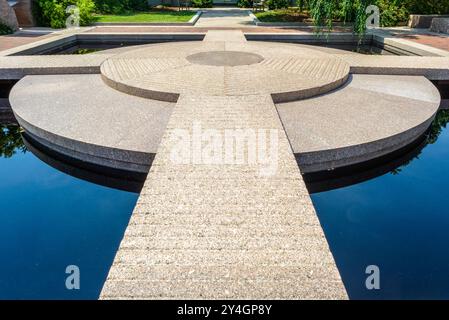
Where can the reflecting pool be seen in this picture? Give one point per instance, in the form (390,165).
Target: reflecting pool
(50,220)
(398,221)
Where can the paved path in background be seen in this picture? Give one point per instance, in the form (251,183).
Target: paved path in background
(421,36)
(222,230)
(436,41)
(20,38)
(234,18)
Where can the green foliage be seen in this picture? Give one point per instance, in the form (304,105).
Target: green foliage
(323,12)
(392,12)
(4,29)
(427,6)
(277,4)
(281,15)
(10,141)
(202,3)
(151,16)
(440,122)
(120,6)
(302,4)
(52,13)
(245,3)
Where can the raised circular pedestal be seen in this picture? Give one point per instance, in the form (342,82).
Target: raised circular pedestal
(163,71)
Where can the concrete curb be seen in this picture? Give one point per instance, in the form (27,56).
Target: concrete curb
(46,45)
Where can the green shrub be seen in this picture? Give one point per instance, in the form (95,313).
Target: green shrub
(52,13)
(428,6)
(109,6)
(120,6)
(392,13)
(4,29)
(245,3)
(281,15)
(277,4)
(202,3)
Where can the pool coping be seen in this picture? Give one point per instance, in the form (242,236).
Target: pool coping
(381,37)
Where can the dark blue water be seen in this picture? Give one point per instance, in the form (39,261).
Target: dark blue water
(399,222)
(49,220)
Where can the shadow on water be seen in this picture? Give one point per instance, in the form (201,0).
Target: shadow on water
(50,220)
(392,163)
(117,179)
(397,220)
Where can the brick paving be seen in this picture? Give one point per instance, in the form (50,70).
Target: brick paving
(19,38)
(436,41)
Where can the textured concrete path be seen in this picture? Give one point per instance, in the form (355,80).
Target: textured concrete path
(203,230)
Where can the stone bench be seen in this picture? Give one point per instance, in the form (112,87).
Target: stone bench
(423,21)
(440,25)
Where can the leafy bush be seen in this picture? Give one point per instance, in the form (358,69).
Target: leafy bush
(277,4)
(120,6)
(427,7)
(245,3)
(52,13)
(392,13)
(4,29)
(202,3)
(281,15)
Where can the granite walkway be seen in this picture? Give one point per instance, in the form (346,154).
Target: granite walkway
(220,229)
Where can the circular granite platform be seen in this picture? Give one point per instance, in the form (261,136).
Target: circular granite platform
(81,116)
(285,71)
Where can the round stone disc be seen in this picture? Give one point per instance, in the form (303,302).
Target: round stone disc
(163,71)
(224,58)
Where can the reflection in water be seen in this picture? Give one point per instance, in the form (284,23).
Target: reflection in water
(10,140)
(50,220)
(398,221)
(440,122)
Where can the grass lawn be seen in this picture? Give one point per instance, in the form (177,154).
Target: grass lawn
(282,15)
(150,16)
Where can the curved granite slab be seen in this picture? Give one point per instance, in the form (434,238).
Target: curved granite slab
(163,72)
(371,116)
(80,117)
